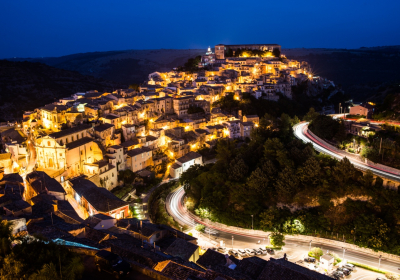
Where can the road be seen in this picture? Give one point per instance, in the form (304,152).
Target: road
(301,132)
(176,208)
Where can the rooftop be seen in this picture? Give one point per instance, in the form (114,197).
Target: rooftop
(188,157)
(40,182)
(181,248)
(100,198)
(78,143)
(103,127)
(69,131)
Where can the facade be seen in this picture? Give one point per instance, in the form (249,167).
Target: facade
(52,116)
(138,159)
(220,49)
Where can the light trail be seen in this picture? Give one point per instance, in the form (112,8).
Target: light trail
(176,208)
(301,132)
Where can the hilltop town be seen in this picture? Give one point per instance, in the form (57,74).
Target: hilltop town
(88,160)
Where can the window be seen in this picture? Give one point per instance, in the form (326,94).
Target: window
(81,153)
(48,143)
(112,174)
(60,154)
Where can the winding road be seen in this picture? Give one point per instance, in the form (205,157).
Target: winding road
(301,132)
(176,208)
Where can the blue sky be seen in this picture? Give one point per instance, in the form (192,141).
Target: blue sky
(54,28)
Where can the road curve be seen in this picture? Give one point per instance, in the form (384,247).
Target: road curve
(301,132)
(176,208)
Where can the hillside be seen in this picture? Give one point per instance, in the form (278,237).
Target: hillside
(127,67)
(361,72)
(26,86)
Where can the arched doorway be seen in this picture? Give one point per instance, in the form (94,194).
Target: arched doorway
(51,164)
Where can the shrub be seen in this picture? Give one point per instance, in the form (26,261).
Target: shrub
(316,253)
(200,227)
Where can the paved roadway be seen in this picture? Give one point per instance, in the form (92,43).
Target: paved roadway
(176,208)
(301,132)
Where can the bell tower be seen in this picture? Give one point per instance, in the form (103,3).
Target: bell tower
(220,51)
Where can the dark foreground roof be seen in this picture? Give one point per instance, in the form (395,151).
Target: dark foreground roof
(41,182)
(100,198)
(280,269)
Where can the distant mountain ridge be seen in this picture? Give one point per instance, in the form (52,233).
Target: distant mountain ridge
(127,67)
(360,71)
(27,85)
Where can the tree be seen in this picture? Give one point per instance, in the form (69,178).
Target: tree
(238,169)
(316,253)
(267,219)
(311,115)
(276,52)
(134,86)
(200,228)
(6,237)
(277,239)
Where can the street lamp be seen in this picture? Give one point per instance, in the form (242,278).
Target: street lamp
(380,257)
(310,245)
(252,222)
(344,250)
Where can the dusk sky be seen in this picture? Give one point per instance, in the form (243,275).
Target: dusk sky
(54,28)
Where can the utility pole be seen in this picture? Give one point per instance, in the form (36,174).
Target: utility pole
(380,257)
(310,245)
(344,250)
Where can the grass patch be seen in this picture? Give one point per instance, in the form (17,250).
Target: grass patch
(374,269)
(122,191)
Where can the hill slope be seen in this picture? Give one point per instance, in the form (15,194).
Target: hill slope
(27,85)
(361,72)
(129,66)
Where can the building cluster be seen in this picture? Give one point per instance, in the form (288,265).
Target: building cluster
(156,250)
(60,164)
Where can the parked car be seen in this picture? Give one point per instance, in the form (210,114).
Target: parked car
(380,278)
(111,263)
(233,253)
(344,270)
(335,276)
(263,250)
(221,250)
(271,251)
(242,253)
(339,273)
(349,266)
(259,252)
(250,252)
(309,259)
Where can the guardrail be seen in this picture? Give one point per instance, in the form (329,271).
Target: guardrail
(303,238)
